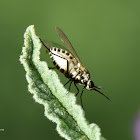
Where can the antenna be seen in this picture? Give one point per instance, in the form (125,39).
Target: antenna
(101,93)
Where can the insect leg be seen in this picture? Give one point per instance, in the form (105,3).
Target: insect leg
(44,45)
(67,82)
(70,85)
(76,88)
(52,68)
(81,98)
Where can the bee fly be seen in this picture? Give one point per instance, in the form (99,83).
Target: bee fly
(70,65)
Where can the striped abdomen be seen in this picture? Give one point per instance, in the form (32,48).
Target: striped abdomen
(61,59)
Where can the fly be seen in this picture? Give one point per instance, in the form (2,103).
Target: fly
(70,65)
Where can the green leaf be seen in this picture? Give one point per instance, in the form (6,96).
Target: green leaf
(47,90)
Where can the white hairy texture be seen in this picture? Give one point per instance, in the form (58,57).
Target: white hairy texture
(47,89)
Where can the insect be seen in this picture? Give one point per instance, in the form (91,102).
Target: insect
(70,65)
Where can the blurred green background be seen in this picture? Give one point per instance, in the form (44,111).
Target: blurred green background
(105,35)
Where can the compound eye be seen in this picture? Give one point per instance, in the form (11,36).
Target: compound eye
(91,84)
(82,77)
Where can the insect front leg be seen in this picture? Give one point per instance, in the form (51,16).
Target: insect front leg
(81,98)
(70,85)
(76,88)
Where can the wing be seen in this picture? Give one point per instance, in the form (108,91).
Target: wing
(67,43)
(50,44)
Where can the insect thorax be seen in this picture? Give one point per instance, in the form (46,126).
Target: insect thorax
(82,76)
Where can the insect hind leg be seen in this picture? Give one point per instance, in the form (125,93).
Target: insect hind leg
(70,84)
(44,44)
(56,55)
(67,82)
(52,68)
